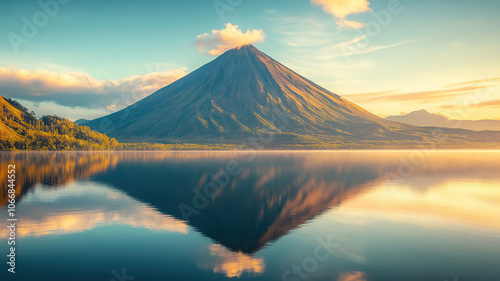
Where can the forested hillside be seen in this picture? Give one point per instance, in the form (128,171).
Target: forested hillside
(22,130)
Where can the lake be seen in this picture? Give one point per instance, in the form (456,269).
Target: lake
(282,215)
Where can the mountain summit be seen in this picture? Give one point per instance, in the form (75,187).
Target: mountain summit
(244,93)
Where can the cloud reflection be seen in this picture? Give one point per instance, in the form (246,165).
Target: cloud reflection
(233,264)
(352,276)
(81,208)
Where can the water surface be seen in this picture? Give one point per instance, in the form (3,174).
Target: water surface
(348,216)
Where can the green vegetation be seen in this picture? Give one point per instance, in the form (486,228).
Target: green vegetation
(22,130)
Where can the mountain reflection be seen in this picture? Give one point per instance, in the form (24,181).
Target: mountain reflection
(275,192)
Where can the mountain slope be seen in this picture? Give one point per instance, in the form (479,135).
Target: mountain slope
(425,119)
(241,93)
(244,93)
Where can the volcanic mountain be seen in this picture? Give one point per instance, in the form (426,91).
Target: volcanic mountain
(245,93)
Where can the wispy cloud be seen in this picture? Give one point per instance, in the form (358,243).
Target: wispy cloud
(490,82)
(303,31)
(78,89)
(347,49)
(340,9)
(484,104)
(219,41)
(430,96)
(316,48)
(491,104)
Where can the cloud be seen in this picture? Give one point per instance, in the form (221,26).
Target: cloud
(340,9)
(350,24)
(484,104)
(419,96)
(301,31)
(103,206)
(333,58)
(445,93)
(349,49)
(77,89)
(352,276)
(230,37)
(485,81)
(491,104)
(233,264)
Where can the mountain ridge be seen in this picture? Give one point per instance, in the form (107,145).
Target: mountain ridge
(423,118)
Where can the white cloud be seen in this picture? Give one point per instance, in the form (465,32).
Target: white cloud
(340,9)
(230,37)
(77,89)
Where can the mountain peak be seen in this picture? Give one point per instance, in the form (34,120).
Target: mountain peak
(240,94)
(244,50)
(247,46)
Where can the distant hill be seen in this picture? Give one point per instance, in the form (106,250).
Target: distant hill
(425,119)
(244,94)
(81,121)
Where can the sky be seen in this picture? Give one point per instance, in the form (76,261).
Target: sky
(86,59)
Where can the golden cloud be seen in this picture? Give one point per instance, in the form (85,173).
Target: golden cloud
(81,89)
(352,276)
(340,9)
(219,41)
(484,104)
(491,103)
(233,264)
(445,93)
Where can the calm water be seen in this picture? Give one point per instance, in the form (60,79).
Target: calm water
(347,216)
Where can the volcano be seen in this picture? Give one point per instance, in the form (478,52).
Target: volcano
(245,93)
